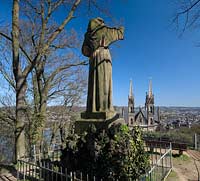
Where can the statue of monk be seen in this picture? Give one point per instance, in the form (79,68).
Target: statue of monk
(96,46)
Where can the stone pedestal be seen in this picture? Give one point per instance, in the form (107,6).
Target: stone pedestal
(99,115)
(101,120)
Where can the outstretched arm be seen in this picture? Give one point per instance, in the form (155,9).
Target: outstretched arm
(113,34)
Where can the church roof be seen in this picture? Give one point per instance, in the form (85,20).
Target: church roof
(140,112)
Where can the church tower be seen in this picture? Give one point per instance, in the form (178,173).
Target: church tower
(149,105)
(158,114)
(131,112)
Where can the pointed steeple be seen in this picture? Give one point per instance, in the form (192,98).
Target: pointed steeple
(149,104)
(131,89)
(131,111)
(150,88)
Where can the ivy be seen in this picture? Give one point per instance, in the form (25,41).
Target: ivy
(117,153)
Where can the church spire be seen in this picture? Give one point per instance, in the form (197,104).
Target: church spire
(149,104)
(131,112)
(150,88)
(131,89)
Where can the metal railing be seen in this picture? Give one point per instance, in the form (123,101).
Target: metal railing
(46,172)
(160,162)
(51,153)
(160,168)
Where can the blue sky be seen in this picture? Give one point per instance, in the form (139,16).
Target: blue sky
(151,48)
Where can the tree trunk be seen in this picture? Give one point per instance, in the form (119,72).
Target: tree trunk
(20,118)
(40,106)
(20,84)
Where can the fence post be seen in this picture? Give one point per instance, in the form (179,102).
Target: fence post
(18,169)
(29,172)
(24,171)
(195,141)
(52,175)
(34,154)
(71,176)
(171,165)
(39,155)
(40,170)
(48,176)
(81,176)
(66,174)
(162,167)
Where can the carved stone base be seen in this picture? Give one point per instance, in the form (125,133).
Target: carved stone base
(98,115)
(100,123)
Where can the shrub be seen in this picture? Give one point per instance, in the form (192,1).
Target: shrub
(116,153)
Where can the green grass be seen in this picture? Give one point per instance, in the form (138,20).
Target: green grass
(182,157)
(172,176)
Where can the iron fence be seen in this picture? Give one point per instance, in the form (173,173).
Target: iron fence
(46,172)
(161,167)
(160,161)
(47,152)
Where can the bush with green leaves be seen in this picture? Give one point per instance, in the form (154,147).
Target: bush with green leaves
(115,153)
(181,135)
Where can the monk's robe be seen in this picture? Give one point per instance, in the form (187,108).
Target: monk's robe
(95,46)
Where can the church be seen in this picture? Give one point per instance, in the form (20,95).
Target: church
(148,117)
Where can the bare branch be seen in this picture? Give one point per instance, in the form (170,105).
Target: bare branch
(59,69)
(189,8)
(21,48)
(7,77)
(61,27)
(187,13)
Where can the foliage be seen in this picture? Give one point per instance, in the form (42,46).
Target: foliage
(183,135)
(35,128)
(182,157)
(117,153)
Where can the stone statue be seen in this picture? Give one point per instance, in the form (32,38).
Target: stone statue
(96,46)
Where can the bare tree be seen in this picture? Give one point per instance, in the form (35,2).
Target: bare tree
(20,84)
(41,50)
(187,15)
(52,68)
(37,41)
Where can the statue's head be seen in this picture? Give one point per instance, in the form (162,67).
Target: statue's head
(94,23)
